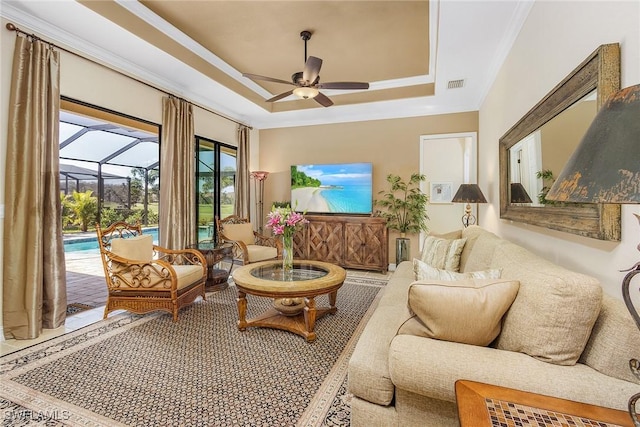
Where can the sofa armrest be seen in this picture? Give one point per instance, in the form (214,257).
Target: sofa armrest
(431,367)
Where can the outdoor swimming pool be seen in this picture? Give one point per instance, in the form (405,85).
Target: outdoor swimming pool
(90,244)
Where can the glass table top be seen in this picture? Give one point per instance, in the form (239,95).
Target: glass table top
(301,271)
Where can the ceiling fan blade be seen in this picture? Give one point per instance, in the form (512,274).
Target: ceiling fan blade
(282,95)
(311,69)
(323,100)
(343,85)
(266,79)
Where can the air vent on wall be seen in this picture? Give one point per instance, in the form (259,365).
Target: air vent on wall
(455,84)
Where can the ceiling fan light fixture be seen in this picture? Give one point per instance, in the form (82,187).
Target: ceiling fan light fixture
(305,92)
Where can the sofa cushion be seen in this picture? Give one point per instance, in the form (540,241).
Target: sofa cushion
(466,311)
(431,367)
(138,248)
(471,233)
(442,253)
(425,271)
(614,340)
(240,232)
(479,254)
(552,316)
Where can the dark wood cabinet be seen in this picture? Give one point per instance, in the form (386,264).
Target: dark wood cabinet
(349,241)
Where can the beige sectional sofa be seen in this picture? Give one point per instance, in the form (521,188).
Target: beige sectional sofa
(561,336)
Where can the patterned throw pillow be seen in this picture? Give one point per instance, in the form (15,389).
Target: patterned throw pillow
(426,272)
(442,253)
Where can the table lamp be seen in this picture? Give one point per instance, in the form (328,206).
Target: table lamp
(605,168)
(468,193)
(519,194)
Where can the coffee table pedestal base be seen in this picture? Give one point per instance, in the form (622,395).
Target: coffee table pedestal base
(302,324)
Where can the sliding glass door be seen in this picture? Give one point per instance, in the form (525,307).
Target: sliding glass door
(216,175)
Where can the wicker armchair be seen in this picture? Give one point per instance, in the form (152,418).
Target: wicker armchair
(142,277)
(248,245)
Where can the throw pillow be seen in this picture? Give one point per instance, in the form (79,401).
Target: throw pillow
(139,248)
(442,253)
(465,311)
(552,317)
(239,232)
(425,272)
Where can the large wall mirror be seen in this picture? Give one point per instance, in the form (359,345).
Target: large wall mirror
(537,147)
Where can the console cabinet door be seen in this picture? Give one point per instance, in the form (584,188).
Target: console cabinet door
(365,245)
(324,241)
(300,247)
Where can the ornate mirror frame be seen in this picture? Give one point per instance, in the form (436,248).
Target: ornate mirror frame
(601,71)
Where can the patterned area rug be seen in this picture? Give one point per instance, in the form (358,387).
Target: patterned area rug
(201,371)
(77,307)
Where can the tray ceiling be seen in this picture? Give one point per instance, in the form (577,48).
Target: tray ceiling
(407,50)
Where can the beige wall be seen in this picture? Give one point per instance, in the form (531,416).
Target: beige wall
(393,146)
(84,81)
(561,136)
(556,37)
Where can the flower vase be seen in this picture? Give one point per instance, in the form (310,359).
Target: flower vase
(287,254)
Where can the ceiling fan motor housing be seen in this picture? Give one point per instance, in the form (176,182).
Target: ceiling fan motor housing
(297,79)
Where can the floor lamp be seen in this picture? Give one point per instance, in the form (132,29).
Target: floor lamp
(259,178)
(605,168)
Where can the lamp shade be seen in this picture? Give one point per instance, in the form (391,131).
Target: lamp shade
(469,193)
(605,168)
(519,194)
(259,175)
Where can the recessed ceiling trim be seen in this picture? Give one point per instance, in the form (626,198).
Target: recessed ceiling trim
(147,15)
(144,13)
(82,47)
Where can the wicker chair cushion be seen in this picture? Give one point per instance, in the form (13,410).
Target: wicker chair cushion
(239,232)
(139,248)
(261,253)
(186,275)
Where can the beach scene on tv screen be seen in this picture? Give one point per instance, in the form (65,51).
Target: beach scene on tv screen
(332,188)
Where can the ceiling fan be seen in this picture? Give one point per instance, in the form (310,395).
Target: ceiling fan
(307,82)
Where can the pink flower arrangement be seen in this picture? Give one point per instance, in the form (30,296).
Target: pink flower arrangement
(284,221)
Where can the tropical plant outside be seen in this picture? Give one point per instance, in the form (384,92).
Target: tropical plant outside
(84,207)
(404,204)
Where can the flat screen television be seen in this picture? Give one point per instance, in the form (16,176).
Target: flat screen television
(343,188)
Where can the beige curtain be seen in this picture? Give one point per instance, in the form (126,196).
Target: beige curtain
(177,175)
(242,187)
(34,283)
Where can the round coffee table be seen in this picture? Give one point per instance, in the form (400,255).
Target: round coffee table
(307,280)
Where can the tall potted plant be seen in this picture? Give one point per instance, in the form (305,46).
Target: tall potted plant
(405,209)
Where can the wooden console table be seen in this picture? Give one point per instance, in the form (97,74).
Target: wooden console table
(358,242)
(485,405)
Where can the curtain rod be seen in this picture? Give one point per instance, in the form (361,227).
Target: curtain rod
(12,27)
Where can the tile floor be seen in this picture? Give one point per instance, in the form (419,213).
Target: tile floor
(86,285)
